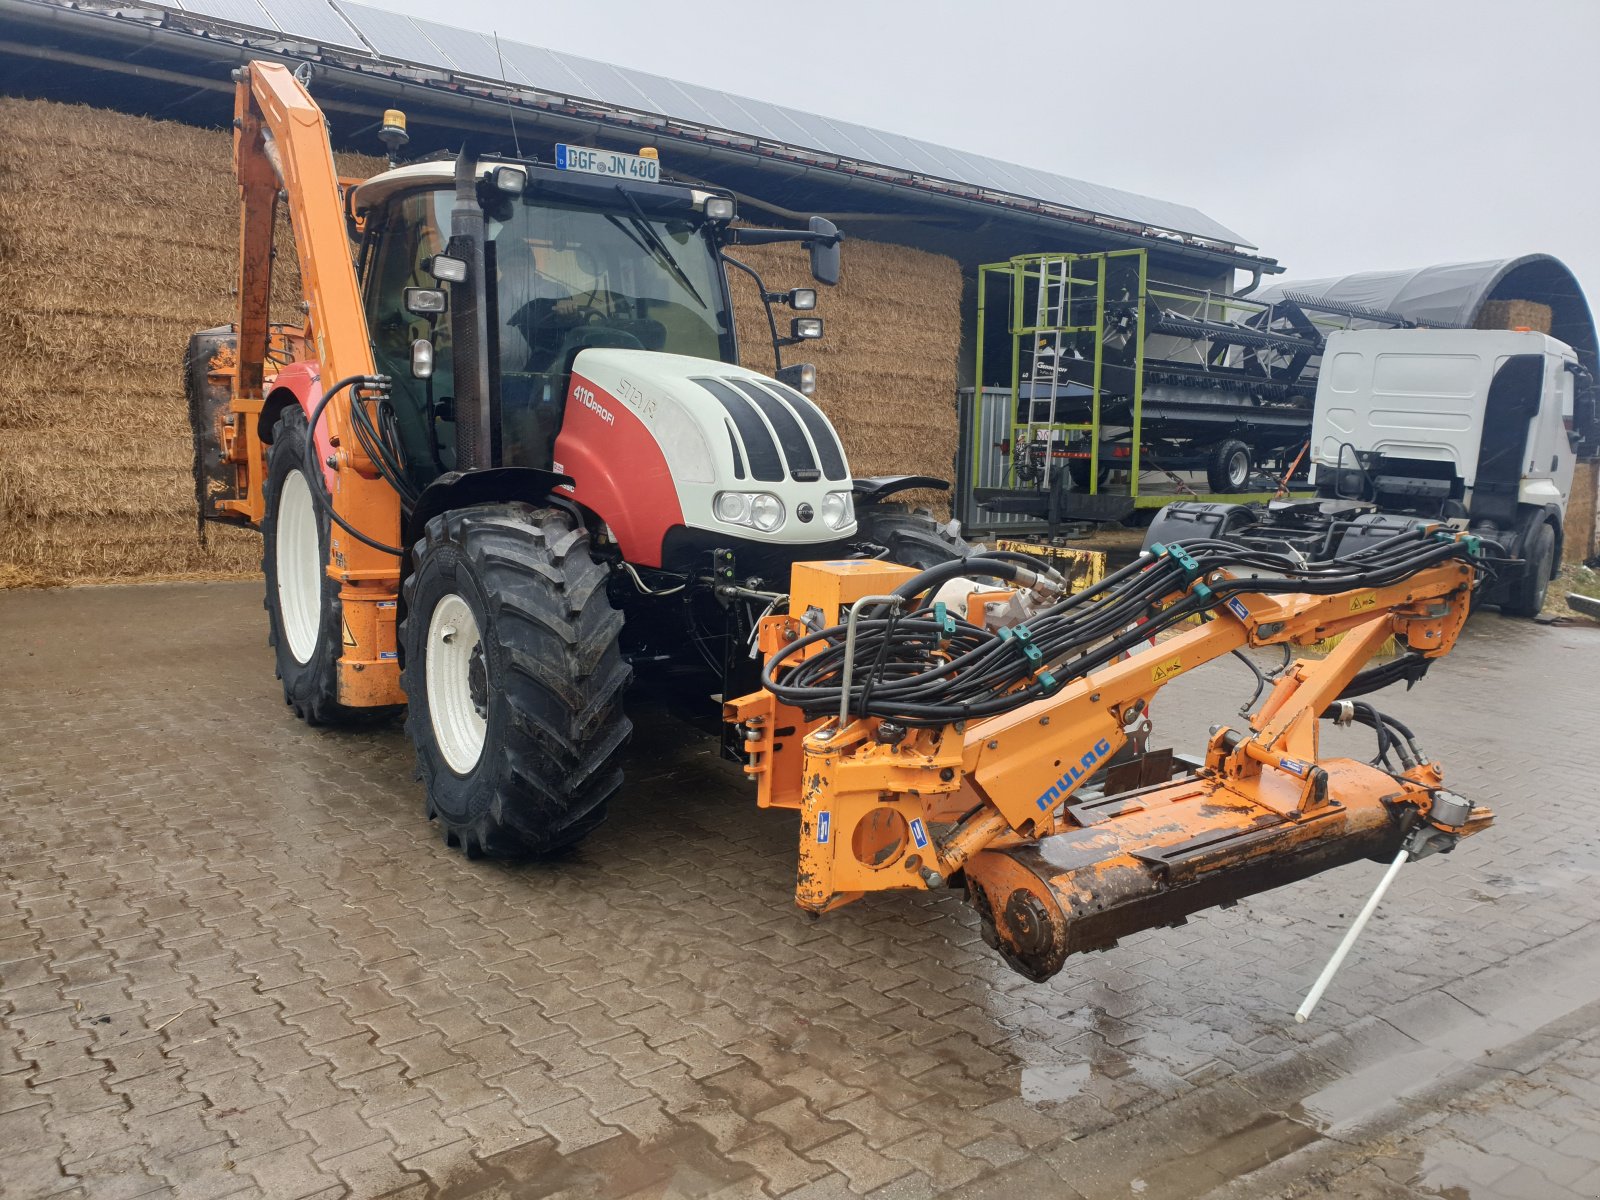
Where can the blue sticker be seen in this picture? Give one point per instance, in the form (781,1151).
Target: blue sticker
(1292,764)
(918,832)
(1239,610)
(822,827)
(388,654)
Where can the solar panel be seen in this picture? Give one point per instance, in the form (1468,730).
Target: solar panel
(726,111)
(473,53)
(312,21)
(449,48)
(245,12)
(608,84)
(543,69)
(393,35)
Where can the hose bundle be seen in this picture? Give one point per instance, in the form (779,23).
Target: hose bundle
(920,665)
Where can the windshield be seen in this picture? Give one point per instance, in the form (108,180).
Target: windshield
(569,278)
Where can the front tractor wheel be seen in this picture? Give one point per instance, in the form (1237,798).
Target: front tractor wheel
(304,617)
(912,536)
(514,679)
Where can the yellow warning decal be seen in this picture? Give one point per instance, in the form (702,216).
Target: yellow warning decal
(1363,601)
(1162,672)
(349,638)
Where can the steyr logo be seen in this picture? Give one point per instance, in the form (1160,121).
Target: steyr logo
(1075,775)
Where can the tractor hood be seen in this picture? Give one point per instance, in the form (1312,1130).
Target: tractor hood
(660,440)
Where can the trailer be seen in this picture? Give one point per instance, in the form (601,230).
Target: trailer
(1119,381)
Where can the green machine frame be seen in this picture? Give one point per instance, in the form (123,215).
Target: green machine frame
(1076,280)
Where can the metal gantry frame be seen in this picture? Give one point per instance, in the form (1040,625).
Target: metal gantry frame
(1052,319)
(1210,322)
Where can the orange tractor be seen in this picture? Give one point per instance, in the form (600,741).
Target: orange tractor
(509,456)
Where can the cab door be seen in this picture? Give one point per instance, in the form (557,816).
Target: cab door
(408,231)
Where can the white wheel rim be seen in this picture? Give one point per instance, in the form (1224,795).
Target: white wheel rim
(299,567)
(458,727)
(1238,468)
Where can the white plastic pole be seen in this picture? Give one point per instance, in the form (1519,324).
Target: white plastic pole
(1337,961)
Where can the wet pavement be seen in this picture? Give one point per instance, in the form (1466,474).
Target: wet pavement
(235,959)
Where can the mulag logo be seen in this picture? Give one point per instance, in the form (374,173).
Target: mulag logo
(586,398)
(1074,775)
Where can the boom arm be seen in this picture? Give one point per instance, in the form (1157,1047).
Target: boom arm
(281,147)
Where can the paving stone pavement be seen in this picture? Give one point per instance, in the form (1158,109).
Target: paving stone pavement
(236,960)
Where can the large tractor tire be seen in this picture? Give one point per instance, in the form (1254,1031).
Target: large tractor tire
(514,679)
(911,535)
(1229,466)
(304,617)
(1528,589)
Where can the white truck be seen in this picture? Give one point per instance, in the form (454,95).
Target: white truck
(1481,428)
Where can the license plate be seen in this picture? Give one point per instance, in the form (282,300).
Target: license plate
(607,162)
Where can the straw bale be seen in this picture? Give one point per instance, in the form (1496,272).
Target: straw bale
(1578,531)
(1516,314)
(886,369)
(119,238)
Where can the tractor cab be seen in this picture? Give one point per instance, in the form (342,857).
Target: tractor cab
(570,260)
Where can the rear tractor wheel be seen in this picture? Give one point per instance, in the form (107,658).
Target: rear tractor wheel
(304,617)
(514,679)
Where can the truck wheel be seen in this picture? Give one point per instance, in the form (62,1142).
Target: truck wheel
(1529,588)
(1078,472)
(304,618)
(514,679)
(911,535)
(1229,467)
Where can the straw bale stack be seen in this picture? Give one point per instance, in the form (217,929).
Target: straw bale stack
(886,369)
(119,238)
(1515,314)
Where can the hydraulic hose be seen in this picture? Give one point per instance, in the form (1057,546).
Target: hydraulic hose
(926,666)
(313,468)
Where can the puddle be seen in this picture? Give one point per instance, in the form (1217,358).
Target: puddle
(1457,1043)
(1041,1085)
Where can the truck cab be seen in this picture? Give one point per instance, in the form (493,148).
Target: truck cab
(1479,426)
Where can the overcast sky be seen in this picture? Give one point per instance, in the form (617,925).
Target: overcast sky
(1338,136)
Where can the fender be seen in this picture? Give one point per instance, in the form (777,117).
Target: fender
(869,489)
(300,382)
(618,470)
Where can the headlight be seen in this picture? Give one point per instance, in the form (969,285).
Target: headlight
(733,507)
(838,510)
(766,512)
(719,208)
(758,510)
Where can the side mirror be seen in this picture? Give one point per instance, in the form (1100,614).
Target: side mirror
(824,245)
(802,377)
(422,359)
(424,302)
